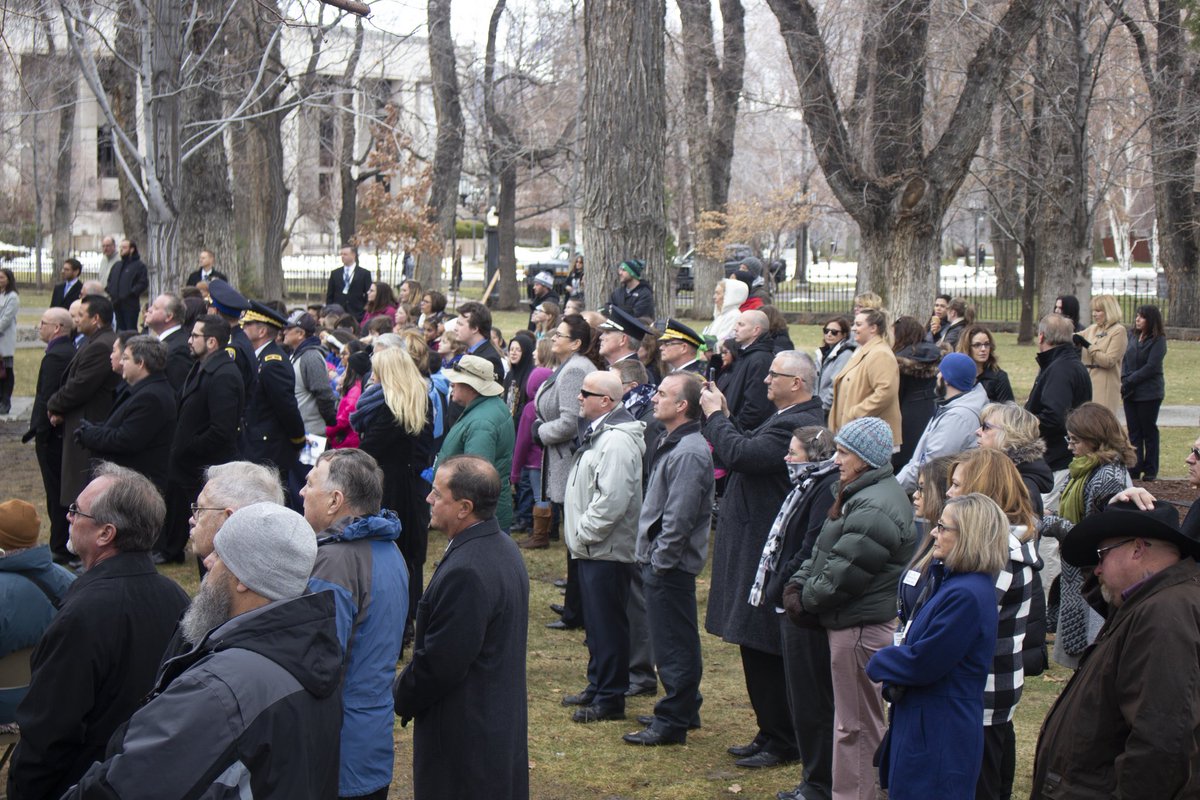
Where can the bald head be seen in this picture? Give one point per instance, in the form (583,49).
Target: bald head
(91,288)
(749,326)
(55,322)
(606,383)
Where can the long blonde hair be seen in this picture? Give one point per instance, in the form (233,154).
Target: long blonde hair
(404,390)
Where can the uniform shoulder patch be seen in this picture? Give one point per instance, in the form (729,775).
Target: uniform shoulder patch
(272,357)
(232,353)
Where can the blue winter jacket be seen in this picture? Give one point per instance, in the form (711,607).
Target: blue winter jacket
(936,680)
(25,611)
(357,559)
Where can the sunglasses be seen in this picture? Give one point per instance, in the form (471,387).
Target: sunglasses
(834,332)
(586,393)
(1101,552)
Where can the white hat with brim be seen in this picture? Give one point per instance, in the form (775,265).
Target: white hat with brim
(475,372)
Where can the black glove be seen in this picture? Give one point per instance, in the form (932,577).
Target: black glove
(78,435)
(537,426)
(795,608)
(1079,341)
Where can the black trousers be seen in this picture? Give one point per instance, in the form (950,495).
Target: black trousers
(1141,417)
(768,695)
(999,763)
(604,590)
(7,382)
(675,638)
(810,701)
(174,536)
(641,646)
(49,456)
(572,606)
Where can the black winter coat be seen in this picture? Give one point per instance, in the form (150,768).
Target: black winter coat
(139,430)
(210,414)
(799,535)
(1142,369)
(918,366)
(91,670)
(273,430)
(1062,385)
(995,382)
(86,393)
(758,484)
(743,386)
(257,703)
(54,365)
(466,681)
(128,280)
(179,358)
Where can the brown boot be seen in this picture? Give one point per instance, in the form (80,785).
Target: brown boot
(540,538)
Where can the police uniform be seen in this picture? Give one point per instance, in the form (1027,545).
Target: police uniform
(273,430)
(229,303)
(676,331)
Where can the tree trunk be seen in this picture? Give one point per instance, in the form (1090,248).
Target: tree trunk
(120,84)
(260,196)
(507,234)
(886,247)
(206,215)
(1006,190)
(448,152)
(160,78)
(624,214)
(63,214)
(1176,209)
(710,137)
(1062,223)
(348,210)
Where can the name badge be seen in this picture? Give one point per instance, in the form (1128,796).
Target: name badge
(898,635)
(911,577)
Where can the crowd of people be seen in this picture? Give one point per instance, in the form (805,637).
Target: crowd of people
(896,544)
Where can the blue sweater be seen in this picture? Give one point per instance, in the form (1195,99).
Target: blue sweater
(935,743)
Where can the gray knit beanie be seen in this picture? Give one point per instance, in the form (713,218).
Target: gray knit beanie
(869,438)
(269,548)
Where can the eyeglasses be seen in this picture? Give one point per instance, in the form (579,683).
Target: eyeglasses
(1101,552)
(833,332)
(586,393)
(942,527)
(1196,453)
(1073,439)
(981,345)
(773,374)
(73,510)
(197,509)
(557,335)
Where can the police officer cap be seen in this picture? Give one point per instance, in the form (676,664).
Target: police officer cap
(226,299)
(621,320)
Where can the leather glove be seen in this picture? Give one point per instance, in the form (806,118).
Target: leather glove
(1079,341)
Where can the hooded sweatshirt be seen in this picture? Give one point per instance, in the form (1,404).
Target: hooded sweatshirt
(721,328)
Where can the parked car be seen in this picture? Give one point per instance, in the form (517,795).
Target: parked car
(735,254)
(559,265)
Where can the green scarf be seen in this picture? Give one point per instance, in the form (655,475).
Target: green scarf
(1071,504)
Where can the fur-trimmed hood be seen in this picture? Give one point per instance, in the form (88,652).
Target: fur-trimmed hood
(1025,453)
(919,360)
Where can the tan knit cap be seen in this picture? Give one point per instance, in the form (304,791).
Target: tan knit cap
(18,525)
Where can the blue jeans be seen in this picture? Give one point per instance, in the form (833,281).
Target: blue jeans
(523,505)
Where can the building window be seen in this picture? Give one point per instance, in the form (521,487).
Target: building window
(106,155)
(325,138)
(323,182)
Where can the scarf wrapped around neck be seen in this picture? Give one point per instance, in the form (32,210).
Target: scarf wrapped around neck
(1072,502)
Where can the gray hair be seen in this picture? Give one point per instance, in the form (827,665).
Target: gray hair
(147,351)
(631,371)
(385,340)
(174,305)
(1057,329)
(131,504)
(358,477)
(242,483)
(803,365)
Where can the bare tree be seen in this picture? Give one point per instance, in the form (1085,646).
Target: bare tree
(624,214)
(895,188)
(448,153)
(1170,66)
(710,134)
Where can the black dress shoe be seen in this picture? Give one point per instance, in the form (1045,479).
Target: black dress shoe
(639,691)
(744,750)
(764,759)
(557,608)
(584,698)
(652,738)
(596,713)
(559,625)
(561,583)
(648,720)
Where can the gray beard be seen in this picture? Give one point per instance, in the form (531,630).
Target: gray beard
(212,607)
